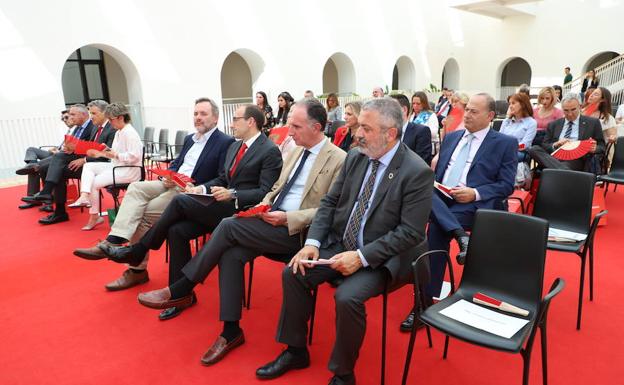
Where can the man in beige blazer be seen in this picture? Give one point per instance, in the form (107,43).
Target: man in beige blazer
(306,177)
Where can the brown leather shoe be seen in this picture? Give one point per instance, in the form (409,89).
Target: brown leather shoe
(220,348)
(93,253)
(161,299)
(127,280)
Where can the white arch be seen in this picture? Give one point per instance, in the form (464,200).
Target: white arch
(406,73)
(254,67)
(345,73)
(450,74)
(589,64)
(519,77)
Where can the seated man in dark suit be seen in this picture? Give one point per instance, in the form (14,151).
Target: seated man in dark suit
(201,158)
(370,227)
(59,170)
(306,177)
(252,166)
(37,171)
(416,136)
(479,164)
(573,126)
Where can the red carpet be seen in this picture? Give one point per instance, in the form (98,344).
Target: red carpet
(59,326)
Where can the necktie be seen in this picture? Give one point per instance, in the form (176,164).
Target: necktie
(238,158)
(457,169)
(353,227)
(568,133)
(78,131)
(290,183)
(98,133)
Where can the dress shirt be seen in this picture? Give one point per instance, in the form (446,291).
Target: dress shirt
(128,146)
(479,136)
(522,129)
(292,200)
(384,162)
(193,154)
(79,129)
(575,129)
(403,131)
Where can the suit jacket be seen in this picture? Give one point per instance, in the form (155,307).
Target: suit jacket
(492,172)
(418,138)
(256,173)
(323,173)
(106,137)
(394,232)
(588,128)
(88,131)
(211,159)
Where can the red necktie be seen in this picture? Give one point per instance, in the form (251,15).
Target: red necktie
(98,133)
(239,156)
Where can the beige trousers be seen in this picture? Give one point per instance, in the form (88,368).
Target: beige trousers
(140,208)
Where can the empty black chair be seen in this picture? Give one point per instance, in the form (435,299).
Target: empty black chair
(148,136)
(564,198)
(616,174)
(510,269)
(501,107)
(116,188)
(160,151)
(176,148)
(496,124)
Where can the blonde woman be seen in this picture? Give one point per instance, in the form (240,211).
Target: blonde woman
(545,112)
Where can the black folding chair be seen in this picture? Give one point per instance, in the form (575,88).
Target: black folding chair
(510,269)
(616,173)
(564,198)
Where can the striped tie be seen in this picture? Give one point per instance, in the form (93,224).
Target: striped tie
(568,133)
(353,227)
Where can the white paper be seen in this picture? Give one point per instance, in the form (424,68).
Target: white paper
(446,290)
(199,195)
(565,236)
(318,262)
(481,318)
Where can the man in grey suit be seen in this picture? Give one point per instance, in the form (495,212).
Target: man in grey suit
(573,126)
(369,227)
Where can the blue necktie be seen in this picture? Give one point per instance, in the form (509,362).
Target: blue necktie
(290,183)
(456,170)
(568,133)
(349,240)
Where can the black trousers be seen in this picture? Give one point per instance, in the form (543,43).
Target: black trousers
(60,190)
(546,160)
(184,219)
(350,298)
(232,244)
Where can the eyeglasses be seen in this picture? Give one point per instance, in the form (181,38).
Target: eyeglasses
(235,118)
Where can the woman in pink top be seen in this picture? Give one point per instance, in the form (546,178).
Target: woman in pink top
(545,112)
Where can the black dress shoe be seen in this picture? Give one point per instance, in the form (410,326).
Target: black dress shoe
(348,379)
(463,248)
(54,218)
(408,323)
(46,208)
(29,205)
(175,311)
(30,168)
(284,362)
(38,197)
(121,254)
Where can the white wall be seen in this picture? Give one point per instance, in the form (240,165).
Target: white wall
(173,53)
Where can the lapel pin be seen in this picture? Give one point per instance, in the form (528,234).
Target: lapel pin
(390,176)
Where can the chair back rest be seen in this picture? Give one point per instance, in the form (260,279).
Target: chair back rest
(501,107)
(163,141)
(505,257)
(617,164)
(564,198)
(148,134)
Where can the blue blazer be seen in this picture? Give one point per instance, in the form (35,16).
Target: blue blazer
(492,172)
(418,138)
(212,157)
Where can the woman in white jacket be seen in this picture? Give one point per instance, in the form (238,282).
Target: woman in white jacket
(126,150)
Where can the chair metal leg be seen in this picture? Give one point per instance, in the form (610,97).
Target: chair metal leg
(526,363)
(383,335)
(251,266)
(314,294)
(581,285)
(429,335)
(544,354)
(446,344)
(408,356)
(606,189)
(166,251)
(591,270)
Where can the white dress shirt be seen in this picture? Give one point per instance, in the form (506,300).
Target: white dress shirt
(292,200)
(479,136)
(193,154)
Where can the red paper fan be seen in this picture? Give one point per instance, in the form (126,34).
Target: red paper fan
(573,150)
(521,147)
(253,212)
(179,179)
